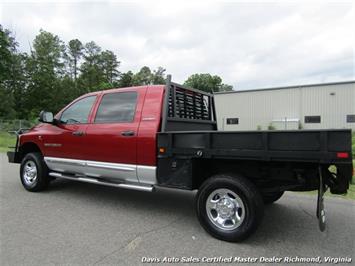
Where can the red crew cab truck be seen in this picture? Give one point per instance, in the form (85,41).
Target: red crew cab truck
(166,136)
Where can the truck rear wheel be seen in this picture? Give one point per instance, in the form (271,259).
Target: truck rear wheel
(34,172)
(272,197)
(229,207)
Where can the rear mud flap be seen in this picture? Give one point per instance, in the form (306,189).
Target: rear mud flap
(340,184)
(320,202)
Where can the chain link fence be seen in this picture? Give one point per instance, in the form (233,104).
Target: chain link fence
(14,125)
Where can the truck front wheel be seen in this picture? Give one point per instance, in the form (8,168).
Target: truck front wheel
(229,207)
(34,172)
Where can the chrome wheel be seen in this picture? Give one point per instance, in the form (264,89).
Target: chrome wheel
(29,172)
(225,209)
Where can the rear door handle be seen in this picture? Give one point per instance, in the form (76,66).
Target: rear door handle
(78,133)
(127,133)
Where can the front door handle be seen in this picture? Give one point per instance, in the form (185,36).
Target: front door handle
(127,133)
(78,133)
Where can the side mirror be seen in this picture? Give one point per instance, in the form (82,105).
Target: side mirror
(46,117)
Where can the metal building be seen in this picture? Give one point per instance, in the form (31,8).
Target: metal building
(316,106)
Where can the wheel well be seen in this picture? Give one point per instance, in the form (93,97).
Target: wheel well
(27,148)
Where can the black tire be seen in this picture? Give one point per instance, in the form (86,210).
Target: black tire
(41,180)
(272,197)
(247,193)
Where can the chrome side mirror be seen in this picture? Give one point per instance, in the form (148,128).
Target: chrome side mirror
(46,117)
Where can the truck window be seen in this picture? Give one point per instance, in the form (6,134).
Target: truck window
(117,107)
(78,113)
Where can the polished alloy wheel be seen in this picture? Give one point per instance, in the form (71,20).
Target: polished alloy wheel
(30,172)
(225,209)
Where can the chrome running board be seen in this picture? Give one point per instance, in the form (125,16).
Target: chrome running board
(104,183)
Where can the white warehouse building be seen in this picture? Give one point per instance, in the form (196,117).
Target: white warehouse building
(316,106)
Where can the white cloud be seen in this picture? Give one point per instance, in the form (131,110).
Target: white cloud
(249,45)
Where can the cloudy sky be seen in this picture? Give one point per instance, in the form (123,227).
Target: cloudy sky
(250,45)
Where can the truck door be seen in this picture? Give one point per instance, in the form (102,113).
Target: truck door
(112,135)
(65,146)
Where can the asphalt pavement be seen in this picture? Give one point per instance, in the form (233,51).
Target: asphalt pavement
(75,223)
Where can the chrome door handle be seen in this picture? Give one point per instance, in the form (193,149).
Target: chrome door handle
(127,133)
(78,133)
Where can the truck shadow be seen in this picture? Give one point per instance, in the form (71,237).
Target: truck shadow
(283,221)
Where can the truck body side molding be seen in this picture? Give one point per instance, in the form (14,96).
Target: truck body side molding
(144,174)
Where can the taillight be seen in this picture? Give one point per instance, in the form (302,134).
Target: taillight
(342,155)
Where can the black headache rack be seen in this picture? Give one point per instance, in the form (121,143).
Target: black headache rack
(187,109)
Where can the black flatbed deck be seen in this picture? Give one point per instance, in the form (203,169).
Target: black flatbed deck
(318,146)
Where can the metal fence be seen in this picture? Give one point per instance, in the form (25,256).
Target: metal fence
(14,125)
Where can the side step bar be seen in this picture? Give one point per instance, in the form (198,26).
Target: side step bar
(104,183)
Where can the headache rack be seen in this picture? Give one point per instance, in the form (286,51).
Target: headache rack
(187,109)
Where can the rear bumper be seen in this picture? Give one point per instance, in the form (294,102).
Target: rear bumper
(13,157)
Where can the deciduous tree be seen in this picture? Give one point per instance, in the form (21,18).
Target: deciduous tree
(206,82)
(126,79)
(45,67)
(12,78)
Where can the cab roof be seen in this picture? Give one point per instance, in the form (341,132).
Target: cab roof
(154,87)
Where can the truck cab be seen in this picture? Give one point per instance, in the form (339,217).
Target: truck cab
(109,134)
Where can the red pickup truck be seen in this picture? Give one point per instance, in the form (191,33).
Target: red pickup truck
(166,136)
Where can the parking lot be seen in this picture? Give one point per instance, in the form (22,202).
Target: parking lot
(84,224)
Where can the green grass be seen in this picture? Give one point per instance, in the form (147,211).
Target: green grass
(349,195)
(6,140)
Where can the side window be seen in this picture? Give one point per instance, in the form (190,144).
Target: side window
(312,119)
(78,113)
(232,121)
(117,107)
(350,118)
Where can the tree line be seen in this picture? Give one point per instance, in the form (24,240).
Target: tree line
(54,73)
